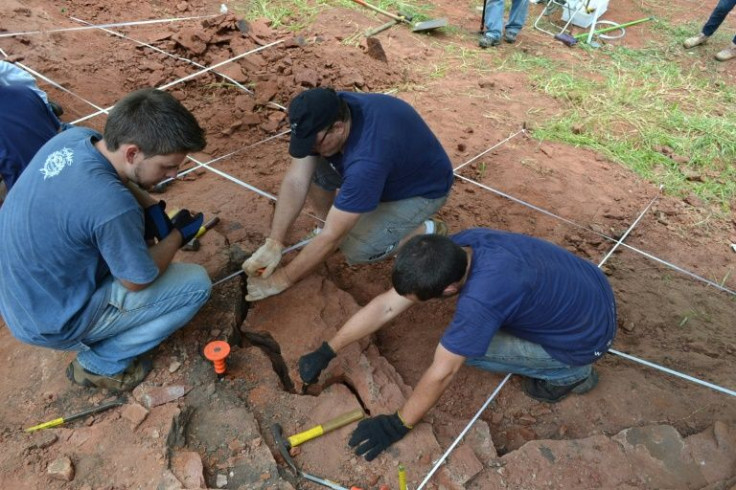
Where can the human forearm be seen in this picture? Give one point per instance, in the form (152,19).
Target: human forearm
(370,318)
(431,386)
(426,394)
(381,310)
(313,254)
(292,196)
(162,254)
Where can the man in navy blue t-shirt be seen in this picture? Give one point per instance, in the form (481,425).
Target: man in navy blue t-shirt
(26,123)
(524,306)
(373,170)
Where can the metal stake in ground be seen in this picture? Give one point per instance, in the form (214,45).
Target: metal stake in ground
(427,25)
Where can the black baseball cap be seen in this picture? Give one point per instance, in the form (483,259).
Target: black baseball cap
(309,113)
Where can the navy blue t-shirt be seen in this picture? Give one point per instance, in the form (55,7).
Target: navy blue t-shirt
(390,155)
(68,224)
(534,290)
(25,125)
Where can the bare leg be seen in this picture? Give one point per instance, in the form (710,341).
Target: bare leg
(321,200)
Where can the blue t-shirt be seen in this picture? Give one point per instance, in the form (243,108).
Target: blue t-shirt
(68,224)
(534,290)
(390,155)
(25,125)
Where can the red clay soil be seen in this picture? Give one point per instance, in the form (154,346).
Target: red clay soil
(640,428)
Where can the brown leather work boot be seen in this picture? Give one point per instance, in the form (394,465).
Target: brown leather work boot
(125,381)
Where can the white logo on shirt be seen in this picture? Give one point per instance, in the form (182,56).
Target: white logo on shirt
(56,162)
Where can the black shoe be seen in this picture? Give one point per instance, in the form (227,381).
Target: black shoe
(542,391)
(510,37)
(56,108)
(487,42)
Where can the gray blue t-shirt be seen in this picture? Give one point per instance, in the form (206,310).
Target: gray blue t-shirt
(66,227)
(390,155)
(534,290)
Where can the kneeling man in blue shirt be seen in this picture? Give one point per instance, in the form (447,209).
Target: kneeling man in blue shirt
(524,306)
(86,254)
(372,169)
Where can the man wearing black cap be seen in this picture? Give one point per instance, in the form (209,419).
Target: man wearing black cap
(372,169)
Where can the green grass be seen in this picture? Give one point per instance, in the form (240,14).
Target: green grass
(295,15)
(636,105)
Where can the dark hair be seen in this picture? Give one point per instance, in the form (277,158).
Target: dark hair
(426,265)
(154,121)
(343,112)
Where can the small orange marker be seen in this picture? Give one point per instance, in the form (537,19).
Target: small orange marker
(216,351)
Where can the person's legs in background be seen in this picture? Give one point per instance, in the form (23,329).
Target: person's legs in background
(517,19)
(717,16)
(493,21)
(715,20)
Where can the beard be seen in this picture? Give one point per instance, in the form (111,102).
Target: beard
(138,180)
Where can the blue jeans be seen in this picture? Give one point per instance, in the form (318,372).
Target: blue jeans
(717,16)
(136,322)
(494,17)
(509,354)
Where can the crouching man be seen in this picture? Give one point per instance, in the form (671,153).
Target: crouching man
(524,306)
(86,254)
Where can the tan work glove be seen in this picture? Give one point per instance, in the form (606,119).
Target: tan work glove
(261,288)
(265,260)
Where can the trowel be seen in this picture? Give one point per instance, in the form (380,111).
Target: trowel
(426,25)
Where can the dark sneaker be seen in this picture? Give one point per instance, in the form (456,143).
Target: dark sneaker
(542,391)
(510,37)
(487,41)
(125,381)
(56,108)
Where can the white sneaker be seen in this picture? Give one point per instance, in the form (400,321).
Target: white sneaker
(691,42)
(726,54)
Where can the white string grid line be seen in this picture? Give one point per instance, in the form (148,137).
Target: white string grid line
(190,76)
(116,24)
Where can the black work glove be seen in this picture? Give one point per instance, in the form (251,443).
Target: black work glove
(157,223)
(187,224)
(311,365)
(375,434)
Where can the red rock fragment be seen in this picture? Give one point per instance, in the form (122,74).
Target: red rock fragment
(61,469)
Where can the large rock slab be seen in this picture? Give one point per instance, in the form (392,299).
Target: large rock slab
(652,456)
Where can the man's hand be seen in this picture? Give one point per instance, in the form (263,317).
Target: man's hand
(375,434)
(265,260)
(157,223)
(187,224)
(311,365)
(261,288)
